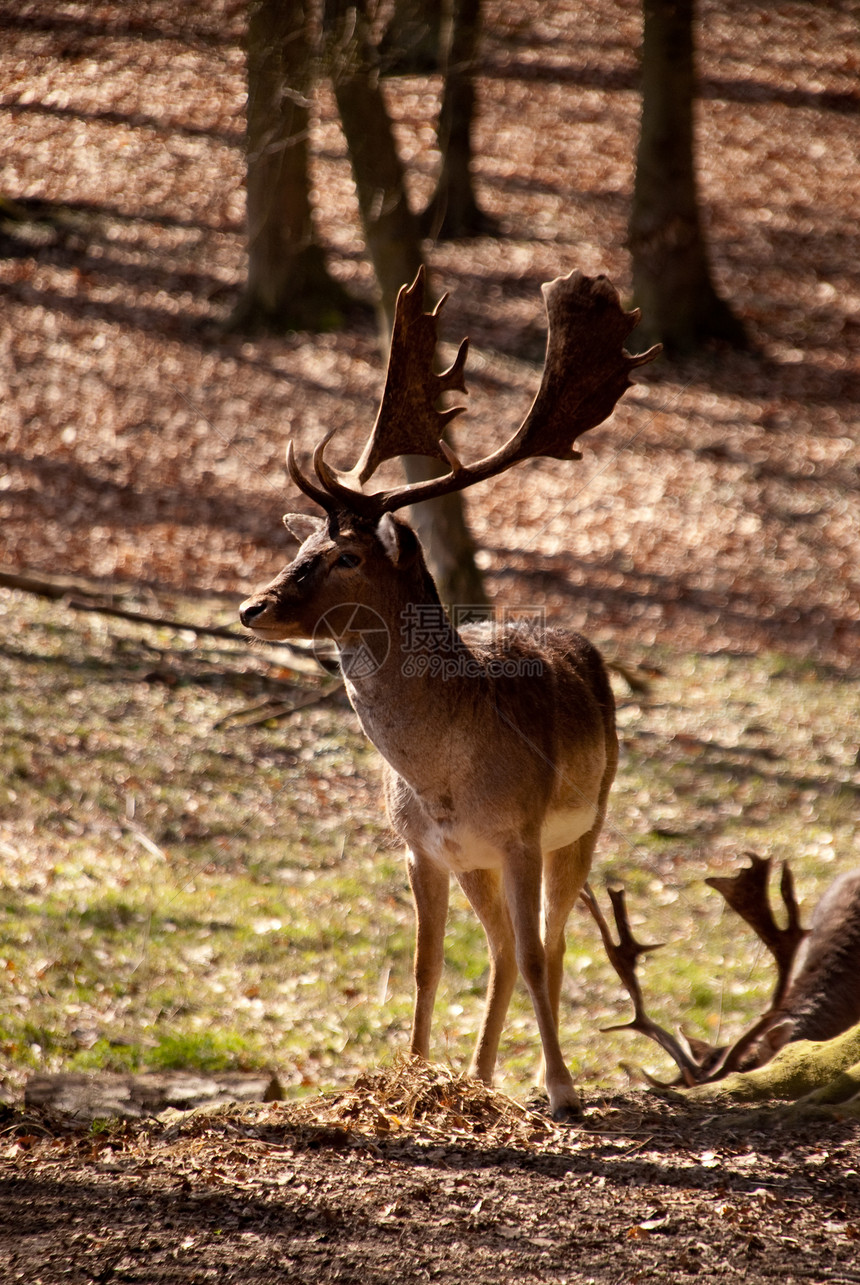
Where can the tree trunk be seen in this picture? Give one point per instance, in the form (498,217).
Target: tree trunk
(288,284)
(453,210)
(393,242)
(671,275)
(390,229)
(411,42)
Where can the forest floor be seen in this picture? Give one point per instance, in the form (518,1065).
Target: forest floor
(712,527)
(471,1187)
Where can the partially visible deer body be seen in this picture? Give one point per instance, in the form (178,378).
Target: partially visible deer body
(500,744)
(817,993)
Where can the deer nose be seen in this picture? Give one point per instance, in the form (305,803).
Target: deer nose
(250,610)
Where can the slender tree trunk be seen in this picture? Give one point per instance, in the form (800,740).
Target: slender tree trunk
(671,276)
(390,228)
(453,210)
(393,242)
(288,283)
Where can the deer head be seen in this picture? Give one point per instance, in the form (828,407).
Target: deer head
(344,559)
(352,552)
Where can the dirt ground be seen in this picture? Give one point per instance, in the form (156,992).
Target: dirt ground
(473,1189)
(141,444)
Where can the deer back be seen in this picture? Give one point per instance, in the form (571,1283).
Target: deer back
(823,996)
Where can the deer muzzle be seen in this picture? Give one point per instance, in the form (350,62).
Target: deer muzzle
(250,611)
(277,612)
(260,614)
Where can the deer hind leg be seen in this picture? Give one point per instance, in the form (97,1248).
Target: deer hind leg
(486,897)
(430,890)
(564,876)
(523,884)
(565,872)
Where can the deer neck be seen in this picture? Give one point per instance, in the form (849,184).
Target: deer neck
(405,680)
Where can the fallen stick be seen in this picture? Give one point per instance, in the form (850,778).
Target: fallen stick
(267,711)
(297,658)
(55,588)
(161,622)
(82,597)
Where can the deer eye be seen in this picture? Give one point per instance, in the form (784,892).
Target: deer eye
(303,570)
(348,560)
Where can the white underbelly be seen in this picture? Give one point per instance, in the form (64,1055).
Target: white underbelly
(459,848)
(561,828)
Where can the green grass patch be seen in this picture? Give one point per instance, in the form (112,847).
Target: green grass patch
(178,895)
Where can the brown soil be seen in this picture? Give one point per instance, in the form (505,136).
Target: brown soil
(419,1175)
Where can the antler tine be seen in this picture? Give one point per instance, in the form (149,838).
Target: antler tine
(315,493)
(746,894)
(789,900)
(623,957)
(733,1055)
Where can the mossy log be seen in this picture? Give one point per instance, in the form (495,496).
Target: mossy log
(814,1071)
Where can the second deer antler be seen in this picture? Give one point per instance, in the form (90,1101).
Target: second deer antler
(623,958)
(746,894)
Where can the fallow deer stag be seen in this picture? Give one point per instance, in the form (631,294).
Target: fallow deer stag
(816,997)
(499,744)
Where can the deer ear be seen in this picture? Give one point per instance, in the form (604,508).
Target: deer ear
(301,525)
(397,539)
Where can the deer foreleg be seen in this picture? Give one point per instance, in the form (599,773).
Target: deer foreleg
(484,891)
(430,890)
(523,890)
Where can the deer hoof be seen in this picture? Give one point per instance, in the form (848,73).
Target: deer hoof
(568,1113)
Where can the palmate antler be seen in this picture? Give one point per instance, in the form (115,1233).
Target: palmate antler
(746,894)
(586,371)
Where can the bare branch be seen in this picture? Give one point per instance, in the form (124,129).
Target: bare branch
(272,710)
(164,622)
